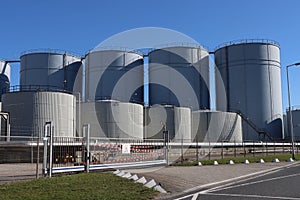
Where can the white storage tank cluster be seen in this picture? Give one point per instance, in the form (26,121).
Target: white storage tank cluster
(29,111)
(179,98)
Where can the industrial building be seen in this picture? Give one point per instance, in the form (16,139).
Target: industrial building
(105,88)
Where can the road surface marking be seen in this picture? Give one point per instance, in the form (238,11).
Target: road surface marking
(252,196)
(250,183)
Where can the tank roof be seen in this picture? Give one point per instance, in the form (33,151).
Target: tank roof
(247,41)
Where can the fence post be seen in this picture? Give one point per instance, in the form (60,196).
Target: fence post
(86,131)
(47,130)
(222,151)
(37,157)
(253,151)
(197,150)
(166,140)
(209,149)
(234,148)
(266,148)
(181,149)
(51,152)
(244,148)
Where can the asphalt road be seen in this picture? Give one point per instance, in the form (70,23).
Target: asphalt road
(280,184)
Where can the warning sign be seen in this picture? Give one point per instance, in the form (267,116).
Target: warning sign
(125,148)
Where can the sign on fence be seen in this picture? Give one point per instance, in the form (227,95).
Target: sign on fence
(125,148)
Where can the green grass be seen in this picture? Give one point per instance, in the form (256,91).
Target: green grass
(79,186)
(269,158)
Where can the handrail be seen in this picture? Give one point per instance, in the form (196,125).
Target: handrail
(247,41)
(48,50)
(145,51)
(34,88)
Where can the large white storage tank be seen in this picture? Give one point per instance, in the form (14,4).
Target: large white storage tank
(216,126)
(114,75)
(49,70)
(296,125)
(179,76)
(29,111)
(113,119)
(176,120)
(249,71)
(4,77)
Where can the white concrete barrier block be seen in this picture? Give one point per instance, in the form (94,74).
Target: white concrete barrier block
(216,162)
(261,161)
(276,160)
(231,162)
(116,172)
(150,184)
(246,161)
(134,177)
(141,180)
(199,164)
(290,160)
(159,189)
(121,173)
(127,175)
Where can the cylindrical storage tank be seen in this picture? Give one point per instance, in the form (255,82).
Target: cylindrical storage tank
(248,82)
(49,70)
(29,111)
(113,119)
(114,74)
(175,120)
(4,77)
(295,124)
(179,76)
(215,126)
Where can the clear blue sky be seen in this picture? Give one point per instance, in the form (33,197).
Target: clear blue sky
(79,26)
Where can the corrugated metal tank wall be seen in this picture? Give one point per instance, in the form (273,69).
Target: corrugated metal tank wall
(4,77)
(53,70)
(296,125)
(250,74)
(214,126)
(113,119)
(177,120)
(113,74)
(29,111)
(179,76)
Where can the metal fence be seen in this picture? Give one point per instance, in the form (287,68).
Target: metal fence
(71,154)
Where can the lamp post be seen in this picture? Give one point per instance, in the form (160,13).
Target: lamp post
(290,112)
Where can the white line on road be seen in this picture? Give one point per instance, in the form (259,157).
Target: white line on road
(195,196)
(250,183)
(233,181)
(252,196)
